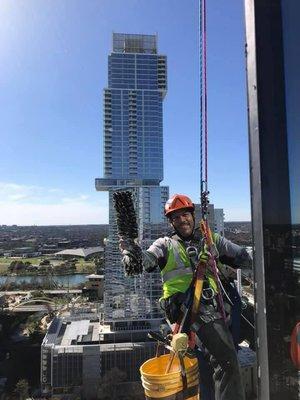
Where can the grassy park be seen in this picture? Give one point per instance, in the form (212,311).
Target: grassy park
(81,265)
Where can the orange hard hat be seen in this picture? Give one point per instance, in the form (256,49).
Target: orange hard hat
(178,202)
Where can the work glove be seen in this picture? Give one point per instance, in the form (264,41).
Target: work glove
(132,256)
(204,256)
(125,244)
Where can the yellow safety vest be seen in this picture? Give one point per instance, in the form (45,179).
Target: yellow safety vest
(177,274)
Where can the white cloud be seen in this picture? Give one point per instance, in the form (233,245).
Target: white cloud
(55,190)
(14,192)
(76,199)
(53,214)
(16,197)
(35,205)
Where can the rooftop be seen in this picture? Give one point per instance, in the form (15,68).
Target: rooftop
(66,333)
(84,329)
(95,276)
(134,43)
(82,252)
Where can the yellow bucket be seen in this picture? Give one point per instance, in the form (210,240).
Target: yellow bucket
(159,385)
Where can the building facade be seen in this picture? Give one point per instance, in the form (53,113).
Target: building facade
(133,160)
(215,217)
(219,221)
(137,84)
(273,65)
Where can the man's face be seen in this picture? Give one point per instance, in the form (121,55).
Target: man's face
(183,222)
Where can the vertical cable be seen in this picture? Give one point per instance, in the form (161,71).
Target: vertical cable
(201,97)
(203,108)
(205,94)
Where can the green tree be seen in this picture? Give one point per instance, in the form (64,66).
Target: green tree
(37,293)
(45,262)
(16,266)
(21,389)
(99,264)
(110,383)
(34,329)
(71,266)
(58,268)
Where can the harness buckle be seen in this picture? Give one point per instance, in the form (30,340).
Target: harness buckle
(192,252)
(208,294)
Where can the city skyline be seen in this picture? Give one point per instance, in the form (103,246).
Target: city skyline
(54,71)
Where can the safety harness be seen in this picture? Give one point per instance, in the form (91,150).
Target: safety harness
(191,307)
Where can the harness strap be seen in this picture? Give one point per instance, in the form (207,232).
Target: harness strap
(212,249)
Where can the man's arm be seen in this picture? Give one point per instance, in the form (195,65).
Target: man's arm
(155,256)
(232,254)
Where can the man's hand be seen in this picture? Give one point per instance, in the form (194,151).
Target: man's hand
(204,256)
(128,246)
(132,256)
(125,244)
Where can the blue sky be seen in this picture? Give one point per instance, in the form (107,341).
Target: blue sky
(53,70)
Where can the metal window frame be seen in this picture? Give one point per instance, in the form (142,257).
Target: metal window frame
(256,204)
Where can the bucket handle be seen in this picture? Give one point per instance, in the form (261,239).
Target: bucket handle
(182,373)
(160,349)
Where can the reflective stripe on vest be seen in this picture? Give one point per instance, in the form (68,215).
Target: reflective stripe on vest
(178,262)
(178,273)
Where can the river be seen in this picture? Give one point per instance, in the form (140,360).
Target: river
(60,280)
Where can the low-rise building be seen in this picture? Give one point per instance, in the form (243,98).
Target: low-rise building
(219,221)
(94,287)
(79,350)
(76,353)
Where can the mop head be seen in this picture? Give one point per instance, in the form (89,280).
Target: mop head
(128,231)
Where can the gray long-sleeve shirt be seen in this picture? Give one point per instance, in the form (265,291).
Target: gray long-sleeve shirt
(229,253)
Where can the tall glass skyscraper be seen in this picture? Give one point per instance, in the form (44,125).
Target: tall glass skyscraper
(133,160)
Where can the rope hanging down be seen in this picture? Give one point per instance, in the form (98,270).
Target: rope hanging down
(203,109)
(204,225)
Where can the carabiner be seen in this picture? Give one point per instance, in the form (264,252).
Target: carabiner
(192,252)
(208,294)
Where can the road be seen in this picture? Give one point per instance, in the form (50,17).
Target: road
(53,292)
(31,308)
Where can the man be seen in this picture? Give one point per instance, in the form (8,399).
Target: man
(176,256)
